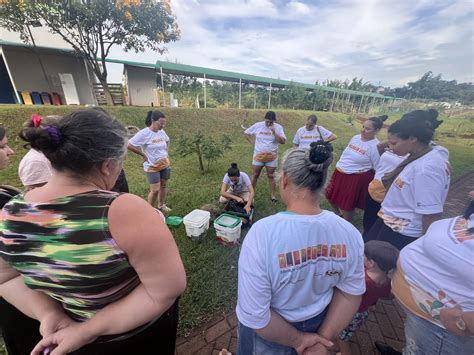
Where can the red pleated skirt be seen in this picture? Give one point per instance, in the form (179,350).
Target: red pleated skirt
(349,191)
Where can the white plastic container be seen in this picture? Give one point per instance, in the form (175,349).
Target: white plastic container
(228,228)
(197,224)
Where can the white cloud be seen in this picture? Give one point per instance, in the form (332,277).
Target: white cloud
(379,40)
(299,7)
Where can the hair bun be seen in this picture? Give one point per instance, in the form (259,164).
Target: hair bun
(319,156)
(433,118)
(383,118)
(433,113)
(40,139)
(233,165)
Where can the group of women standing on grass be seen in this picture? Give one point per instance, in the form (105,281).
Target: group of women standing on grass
(301,271)
(101,273)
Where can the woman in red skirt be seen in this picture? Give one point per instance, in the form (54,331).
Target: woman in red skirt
(347,189)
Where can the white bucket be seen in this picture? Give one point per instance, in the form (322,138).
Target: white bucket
(227,235)
(197,224)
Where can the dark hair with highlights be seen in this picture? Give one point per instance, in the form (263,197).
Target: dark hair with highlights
(81,142)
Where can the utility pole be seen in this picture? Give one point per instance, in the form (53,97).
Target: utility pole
(269,96)
(240,91)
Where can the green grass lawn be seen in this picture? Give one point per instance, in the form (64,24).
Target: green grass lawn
(212,269)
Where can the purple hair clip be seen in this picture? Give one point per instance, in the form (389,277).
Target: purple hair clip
(55,134)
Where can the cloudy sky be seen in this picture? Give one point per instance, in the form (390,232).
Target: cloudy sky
(383,41)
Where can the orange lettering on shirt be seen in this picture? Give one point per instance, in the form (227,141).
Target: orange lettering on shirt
(399,182)
(358,149)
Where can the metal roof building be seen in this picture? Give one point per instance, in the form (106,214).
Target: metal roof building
(141,78)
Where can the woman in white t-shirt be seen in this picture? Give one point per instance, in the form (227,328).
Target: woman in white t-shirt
(35,169)
(434,282)
(347,189)
(265,136)
(237,186)
(312,133)
(417,188)
(301,272)
(152,144)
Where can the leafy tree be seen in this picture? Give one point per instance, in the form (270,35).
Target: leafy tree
(93,27)
(433,87)
(206,148)
(185,88)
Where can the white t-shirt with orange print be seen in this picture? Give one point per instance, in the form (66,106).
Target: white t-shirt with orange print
(437,270)
(359,156)
(265,141)
(420,189)
(153,144)
(303,137)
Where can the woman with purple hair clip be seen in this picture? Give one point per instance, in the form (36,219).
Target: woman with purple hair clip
(99,270)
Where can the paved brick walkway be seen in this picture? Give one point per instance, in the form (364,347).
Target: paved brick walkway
(384,324)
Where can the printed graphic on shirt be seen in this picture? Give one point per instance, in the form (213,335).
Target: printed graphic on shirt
(336,252)
(399,182)
(429,304)
(311,136)
(397,224)
(358,149)
(156,141)
(459,230)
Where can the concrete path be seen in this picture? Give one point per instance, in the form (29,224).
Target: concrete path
(384,324)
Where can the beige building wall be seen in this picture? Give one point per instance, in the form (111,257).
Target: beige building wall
(141,83)
(27,74)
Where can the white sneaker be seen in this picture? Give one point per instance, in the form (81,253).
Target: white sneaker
(164,208)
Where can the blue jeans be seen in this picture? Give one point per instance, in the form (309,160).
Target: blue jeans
(426,338)
(250,343)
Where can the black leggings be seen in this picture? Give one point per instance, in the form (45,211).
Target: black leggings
(380,231)
(372,207)
(21,334)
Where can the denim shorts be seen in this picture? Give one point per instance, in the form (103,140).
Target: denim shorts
(250,343)
(157,176)
(423,338)
(270,164)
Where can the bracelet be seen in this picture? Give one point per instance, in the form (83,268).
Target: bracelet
(460,323)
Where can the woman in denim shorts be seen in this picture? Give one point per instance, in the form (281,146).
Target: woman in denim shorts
(152,144)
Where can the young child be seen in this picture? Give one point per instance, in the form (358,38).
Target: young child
(380,262)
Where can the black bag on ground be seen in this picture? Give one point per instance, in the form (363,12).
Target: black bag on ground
(237,209)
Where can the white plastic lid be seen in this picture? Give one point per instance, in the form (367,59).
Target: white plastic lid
(197,217)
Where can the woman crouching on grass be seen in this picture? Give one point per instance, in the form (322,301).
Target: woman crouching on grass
(301,272)
(237,186)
